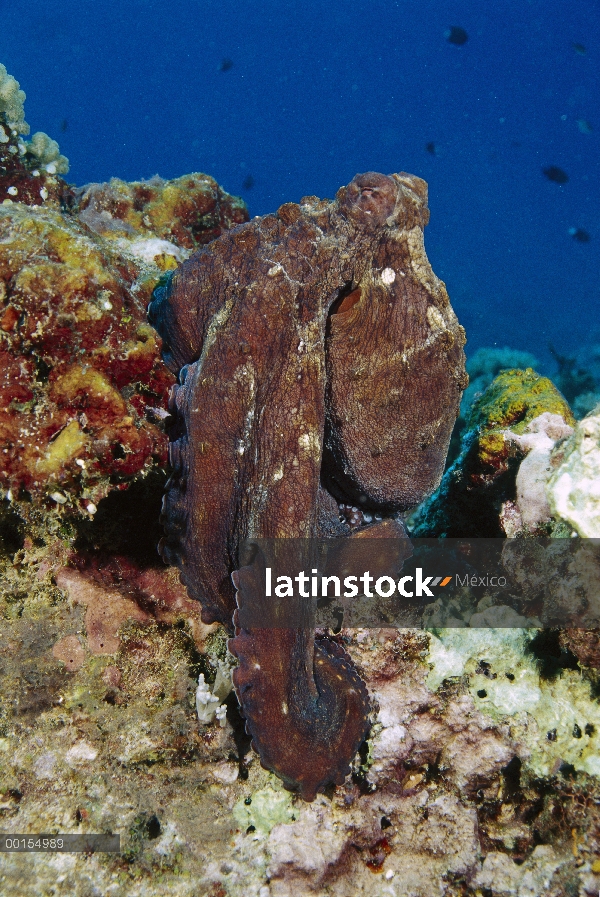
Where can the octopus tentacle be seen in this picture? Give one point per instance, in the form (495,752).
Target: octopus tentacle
(306,690)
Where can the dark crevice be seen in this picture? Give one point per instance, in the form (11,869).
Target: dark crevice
(127,523)
(240,736)
(12,531)
(512,778)
(153,828)
(551,657)
(42,370)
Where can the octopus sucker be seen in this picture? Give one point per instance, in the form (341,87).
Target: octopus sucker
(309,384)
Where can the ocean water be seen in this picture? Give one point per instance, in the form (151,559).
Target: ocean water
(280,100)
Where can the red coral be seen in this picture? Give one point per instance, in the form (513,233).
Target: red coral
(79,363)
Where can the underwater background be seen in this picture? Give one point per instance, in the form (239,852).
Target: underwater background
(277,101)
(478,774)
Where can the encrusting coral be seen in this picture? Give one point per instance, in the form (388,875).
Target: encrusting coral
(473,491)
(79,365)
(188,211)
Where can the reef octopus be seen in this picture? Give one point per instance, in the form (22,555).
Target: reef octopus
(320,365)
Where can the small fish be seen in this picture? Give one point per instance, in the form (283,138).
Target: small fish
(64,125)
(556,174)
(579,48)
(430,147)
(456,35)
(584,126)
(248,182)
(226,64)
(579,234)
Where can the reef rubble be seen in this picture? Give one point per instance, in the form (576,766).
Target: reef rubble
(480,774)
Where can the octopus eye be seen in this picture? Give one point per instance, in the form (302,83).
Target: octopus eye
(346,299)
(346,302)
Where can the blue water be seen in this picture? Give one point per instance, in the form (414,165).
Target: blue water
(319,91)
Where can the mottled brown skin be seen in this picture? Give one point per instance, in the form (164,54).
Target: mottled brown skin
(263,368)
(395,374)
(305,705)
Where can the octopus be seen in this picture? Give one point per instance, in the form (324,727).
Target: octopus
(320,368)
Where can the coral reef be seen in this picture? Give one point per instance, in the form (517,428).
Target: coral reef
(529,700)
(480,774)
(577,378)
(485,364)
(481,754)
(188,211)
(82,386)
(539,439)
(28,169)
(12,99)
(79,363)
(478,493)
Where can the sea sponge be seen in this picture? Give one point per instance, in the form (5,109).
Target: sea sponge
(485,364)
(514,399)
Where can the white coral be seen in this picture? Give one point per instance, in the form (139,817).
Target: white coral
(538,440)
(209,701)
(46,153)
(11,102)
(574,488)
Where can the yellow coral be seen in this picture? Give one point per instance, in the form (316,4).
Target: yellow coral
(515,398)
(93,386)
